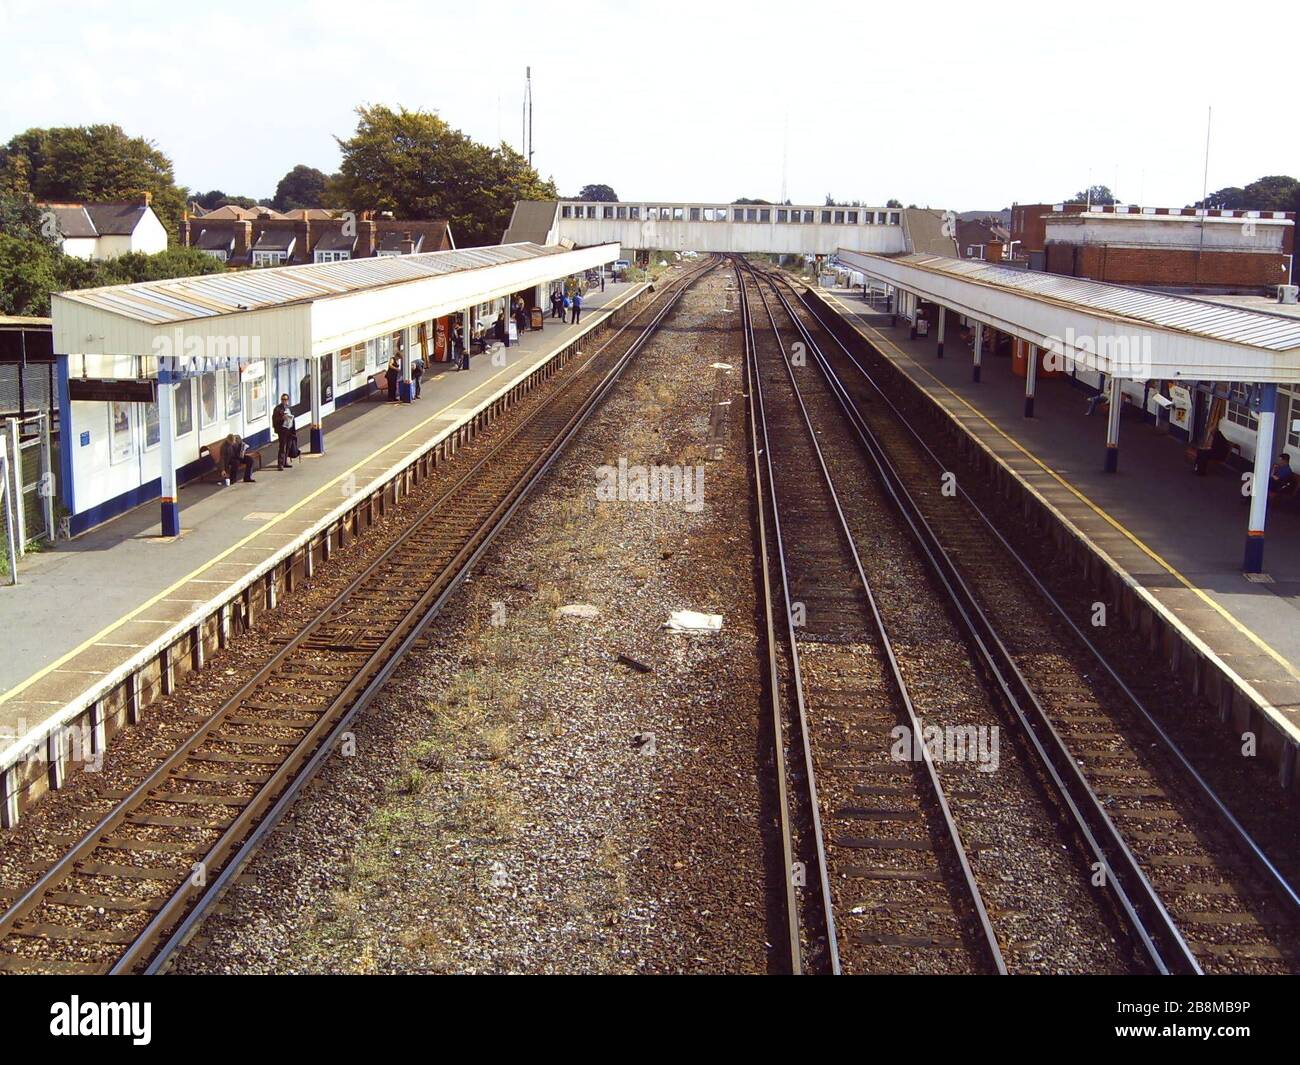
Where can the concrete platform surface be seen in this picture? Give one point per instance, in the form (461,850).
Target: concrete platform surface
(84,607)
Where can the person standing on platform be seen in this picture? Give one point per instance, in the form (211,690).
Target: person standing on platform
(565,304)
(521,316)
(394,373)
(234,453)
(282,421)
(577,307)
(417,371)
(557,303)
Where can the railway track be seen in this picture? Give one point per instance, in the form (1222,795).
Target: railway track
(127,894)
(1199,893)
(880,869)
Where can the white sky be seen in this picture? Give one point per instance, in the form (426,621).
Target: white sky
(961,105)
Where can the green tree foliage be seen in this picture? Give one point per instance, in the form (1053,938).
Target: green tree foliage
(597,193)
(27,275)
(1098,194)
(94,163)
(210,201)
(1277,192)
(303,186)
(416,165)
(747,199)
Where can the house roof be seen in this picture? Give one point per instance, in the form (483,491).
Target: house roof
(392,241)
(230,212)
(275,240)
(215,239)
(73,221)
(334,240)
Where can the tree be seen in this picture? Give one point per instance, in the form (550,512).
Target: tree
(416,165)
(597,193)
(27,276)
(891,202)
(1098,194)
(746,199)
(92,163)
(1277,192)
(210,201)
(303,186)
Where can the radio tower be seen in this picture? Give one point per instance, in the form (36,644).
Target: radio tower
(527,148)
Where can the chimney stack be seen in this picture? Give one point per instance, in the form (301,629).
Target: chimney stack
(408,245)
(365,238)
(243,238)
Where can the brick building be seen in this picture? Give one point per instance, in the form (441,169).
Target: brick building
(1180,249)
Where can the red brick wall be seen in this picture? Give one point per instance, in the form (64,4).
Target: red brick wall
(1167,266)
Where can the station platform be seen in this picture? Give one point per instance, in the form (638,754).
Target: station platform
(1176,535)
(84,608)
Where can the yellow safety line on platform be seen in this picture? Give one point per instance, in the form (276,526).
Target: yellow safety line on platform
(93,640)
(1113,522)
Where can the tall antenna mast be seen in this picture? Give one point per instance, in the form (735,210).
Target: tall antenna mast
(527,147)
(785,156)
(1205,186)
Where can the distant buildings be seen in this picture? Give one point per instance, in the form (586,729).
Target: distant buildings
(1175,249)
(258,236)
(106,230)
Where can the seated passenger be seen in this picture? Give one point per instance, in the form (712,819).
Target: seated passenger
(234,453)
(1282,477)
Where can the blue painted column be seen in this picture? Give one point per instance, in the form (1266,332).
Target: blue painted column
(405,389)
(979,352)
(943,318)
(171,510)
(317,421)
(1253,561)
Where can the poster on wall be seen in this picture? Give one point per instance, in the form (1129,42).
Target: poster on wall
(440,340)
(234,394)
(327,380)
(207,399)
(255,399)
(184,408)
(152,432)
(121,442)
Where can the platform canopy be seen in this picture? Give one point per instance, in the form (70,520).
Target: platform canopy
(1093,323)
(304,311)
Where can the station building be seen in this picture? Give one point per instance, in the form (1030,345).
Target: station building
(151,377)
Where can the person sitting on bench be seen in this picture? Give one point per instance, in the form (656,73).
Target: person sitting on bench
(234,453)
(1282,478)
(1216,452)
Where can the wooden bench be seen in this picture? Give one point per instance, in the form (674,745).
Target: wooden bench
(1210,463)
(213,451)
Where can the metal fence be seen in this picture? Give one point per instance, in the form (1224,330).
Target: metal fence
(31,486)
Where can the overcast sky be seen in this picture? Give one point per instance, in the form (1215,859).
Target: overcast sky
(949,105)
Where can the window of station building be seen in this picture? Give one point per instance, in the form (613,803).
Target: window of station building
(209,404)
(678,214)
(234,394)
(609,212)
(591,211)
(852,218)
(738,215)
(1239,412)
(622,212)
(634,212)
(765,214)
(566,211)
(695,214)
(652,213)
(839,218)
(782,216)
(826,217)
(893,218)
(808,217)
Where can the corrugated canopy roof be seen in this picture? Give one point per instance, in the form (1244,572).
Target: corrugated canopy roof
(1274,332)
(209,295)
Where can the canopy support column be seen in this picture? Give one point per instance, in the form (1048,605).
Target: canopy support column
(1115,398)
(1254,555)
(404,387)
(943,317)
(171,510)
(1031,380)
(317,422)
(979,352)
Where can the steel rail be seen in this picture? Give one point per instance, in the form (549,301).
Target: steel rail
(1145,912)
(224,854)
(901,689)
(1276,877)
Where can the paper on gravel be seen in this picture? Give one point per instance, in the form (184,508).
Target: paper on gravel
(693,621)
(578,610)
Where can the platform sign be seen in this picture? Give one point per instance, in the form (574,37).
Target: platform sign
(1180,412)
(103,390)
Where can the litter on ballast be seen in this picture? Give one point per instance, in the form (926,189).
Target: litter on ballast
(578,610)
(693,621)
